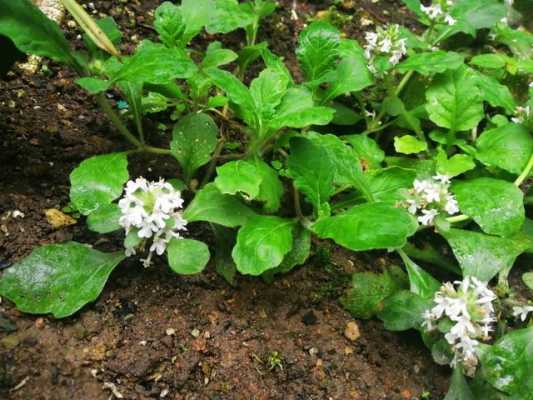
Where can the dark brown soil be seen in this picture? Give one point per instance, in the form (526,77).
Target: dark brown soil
(153,334)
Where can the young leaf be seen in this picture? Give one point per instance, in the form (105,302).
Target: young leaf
(403,310)
(317,50)
(391,227)
(455,165)
(454,100)
(388,185)
(267,91)
(421,282)
(215,56)
(58,278)
(105,219)
(496,94)
(196,14)
(369,290)
(93,85)
(367,149)
(431,62)
(32,32)
(481,255)
(271,188)
(262,243)
(97,181)
(408,144)
(194,138)
(169,24)
(507,364)
(471,15)
(508,147)
(187,256)
(212,206)
(459,389)
(312,171)
(228,16)
(496,205)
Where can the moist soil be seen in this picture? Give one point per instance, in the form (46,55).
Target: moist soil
(153,334)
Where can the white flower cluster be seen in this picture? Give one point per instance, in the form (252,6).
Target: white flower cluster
(439,12)
(387,42)
(467,304)
(429,196)
(521,312)
(522,114)
(151,210)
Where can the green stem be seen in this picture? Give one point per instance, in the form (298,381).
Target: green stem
(458,218)
(525,173)
(430,255)
(116,121)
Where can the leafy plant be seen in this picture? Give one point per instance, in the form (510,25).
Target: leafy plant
(439,151)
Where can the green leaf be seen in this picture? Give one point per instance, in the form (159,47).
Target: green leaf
(187,256)
(271,188)
(216,56)
(110,28)
(388,185)
(409,144)
(58,278)
(508,147)
(421,282)
(196,14)
(155,63)
(93,85)
(344,115)
(367,149)
(508,363)
(496,205)
(267,91)
(403,310)
(312,171)
(496,94)
(297,111)
(454,100)
(459,389)
(97,181)
(105,219)
(455,165)
(472,15)
(431,62)
(351,73)
(154,103)
(169,24)
(194,139)
(481,255)
(369,290)
(228,16)
(212,206)
(390,227)
(32,32)
(490,60)
(317,50)
(262,243)
(527,278)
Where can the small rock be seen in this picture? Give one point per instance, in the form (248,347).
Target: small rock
(39,323)
(351,332)
(195,332)
(170,332)
(313,351)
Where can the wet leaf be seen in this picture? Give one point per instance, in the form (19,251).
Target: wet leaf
(403,310)
(432,62)
(187,256)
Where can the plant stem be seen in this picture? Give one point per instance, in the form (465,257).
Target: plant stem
(116,121)
(458,218)
(525,173)
(298,207)
(213,163)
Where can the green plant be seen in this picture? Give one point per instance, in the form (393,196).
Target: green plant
(442,152)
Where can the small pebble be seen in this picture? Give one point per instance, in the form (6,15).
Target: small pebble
(170,332)
(351,332)
(195,332)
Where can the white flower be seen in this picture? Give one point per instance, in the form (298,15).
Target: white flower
(432,193)
(451,206)
(432,11)
(438,14)
(521,312)
(428,216)
(522,114)
(152,209)
(385,41)
(442,178)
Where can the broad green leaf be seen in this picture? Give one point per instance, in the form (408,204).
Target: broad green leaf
(403,310)
(344,115)
(367,149)
(58,278)
(422,167)
(105,219)
(312,171)
(155,63)
(496,205)
(454,100)
(262,243)
(508,147)
(97,181)
(169,24)
(471,15)
(194,139)
(196,14)
(455,165)
(351,74)
(388,185)
(508,363)
(228,16)
(459,389)
(93,85)
(212,206)
(496,94)
(317,50)
(271,188)
(490,60)
(216,56)
(409,144)
(481,255)
(367,227)
(364,299)
(432,62)
(520,42)
(267,91)
(187,256)
(527,278)
(420,282)
(32,32)
(297,111)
